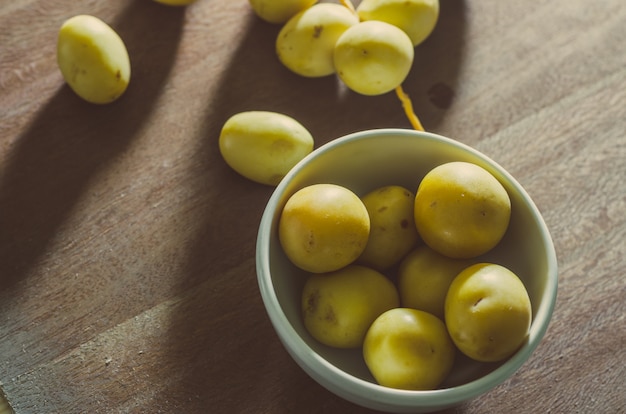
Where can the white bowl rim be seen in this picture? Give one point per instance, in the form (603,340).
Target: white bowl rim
(343,383)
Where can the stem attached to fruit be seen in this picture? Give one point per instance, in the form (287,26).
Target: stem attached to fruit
(408,109)
(349,5)
(404,98)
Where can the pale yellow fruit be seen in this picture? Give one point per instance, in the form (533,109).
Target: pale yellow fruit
(263,146)
(175,2)
(93,59)
(408,349)
(339,307)
(392,226)
(417,18)
(279,11)
(323,227)
(373,57)
(306,43)
(488,312)
(424,277)
(461,210)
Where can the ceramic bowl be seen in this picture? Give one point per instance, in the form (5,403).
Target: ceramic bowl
(362,162)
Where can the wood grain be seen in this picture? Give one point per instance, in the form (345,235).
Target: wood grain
(127,274)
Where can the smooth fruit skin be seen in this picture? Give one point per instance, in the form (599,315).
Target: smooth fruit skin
(279,11)
(373,57)
(408,349)
(262,145)
(424,277)
(323,227)
(488,312)
(461,210)
(417,18)
(306,42)
(392,226)
(339,307)
(93,59)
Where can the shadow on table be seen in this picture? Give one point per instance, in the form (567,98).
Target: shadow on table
(70,140)
(234,359)
(434,78)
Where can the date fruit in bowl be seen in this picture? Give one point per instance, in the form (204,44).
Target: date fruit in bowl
(363,162)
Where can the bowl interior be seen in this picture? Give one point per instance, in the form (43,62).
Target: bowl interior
(362,162)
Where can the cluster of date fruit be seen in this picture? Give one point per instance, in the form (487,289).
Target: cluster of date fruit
(402,275)
(370,47)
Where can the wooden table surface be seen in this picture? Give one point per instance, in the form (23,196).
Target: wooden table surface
(127,271)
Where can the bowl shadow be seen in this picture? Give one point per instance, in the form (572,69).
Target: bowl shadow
(217,367)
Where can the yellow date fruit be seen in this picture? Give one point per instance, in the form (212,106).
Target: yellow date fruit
(408,349)
(392,226)
(424,277)
(488,312)
(339,307)
(306,42)
(416,17)
(373,57)
(461,210)
(263,146)
(93,59)
(323,227)
(279,11)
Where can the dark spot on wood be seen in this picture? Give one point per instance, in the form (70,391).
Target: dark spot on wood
(441,95)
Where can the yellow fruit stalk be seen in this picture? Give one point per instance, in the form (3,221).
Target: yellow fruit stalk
(93,59)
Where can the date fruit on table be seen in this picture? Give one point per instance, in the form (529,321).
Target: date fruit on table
(263,146)
(339,307)
(93,59)
(279,11)
(417,18)
(373,57)
(488,312)
(306,42)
